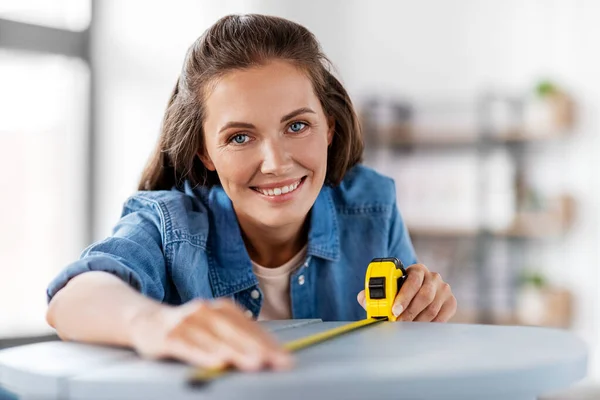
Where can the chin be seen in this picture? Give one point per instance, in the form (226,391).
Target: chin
(281,219)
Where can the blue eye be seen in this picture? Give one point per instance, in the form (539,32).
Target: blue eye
(239,138)
(297,126)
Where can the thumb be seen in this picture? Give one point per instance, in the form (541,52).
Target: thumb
(361,299)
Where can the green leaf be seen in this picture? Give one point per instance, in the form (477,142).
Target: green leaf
(545,88)
(533,278)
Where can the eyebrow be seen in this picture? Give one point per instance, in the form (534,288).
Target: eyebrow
(245,125)
(299,111)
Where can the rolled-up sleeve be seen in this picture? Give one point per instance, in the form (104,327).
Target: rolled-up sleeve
(134,252)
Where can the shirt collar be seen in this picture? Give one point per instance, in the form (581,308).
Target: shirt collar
(230,268)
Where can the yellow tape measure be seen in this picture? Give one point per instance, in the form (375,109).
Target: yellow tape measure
(383,280)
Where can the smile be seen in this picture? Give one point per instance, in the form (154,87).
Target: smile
(281,190)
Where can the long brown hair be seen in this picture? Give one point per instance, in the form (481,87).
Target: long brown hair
(237,42)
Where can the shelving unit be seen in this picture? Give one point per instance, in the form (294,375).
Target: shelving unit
(401,138)
(396,136)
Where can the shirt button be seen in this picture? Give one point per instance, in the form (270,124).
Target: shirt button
(255,294)
(301,280)
(248,314)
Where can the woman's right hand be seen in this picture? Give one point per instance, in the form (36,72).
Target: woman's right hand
(207,334)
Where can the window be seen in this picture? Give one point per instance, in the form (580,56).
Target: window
(45,134)
(43,138)
(72,15)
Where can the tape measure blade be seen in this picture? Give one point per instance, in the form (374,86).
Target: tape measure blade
(311,340)
(202,376)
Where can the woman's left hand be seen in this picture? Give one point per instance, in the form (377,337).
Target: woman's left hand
(423,297)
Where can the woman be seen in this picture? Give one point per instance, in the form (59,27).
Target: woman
(253,206)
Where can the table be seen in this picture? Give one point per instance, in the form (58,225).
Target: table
(401,360)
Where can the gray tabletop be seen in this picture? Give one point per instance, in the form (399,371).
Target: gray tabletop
(401,360)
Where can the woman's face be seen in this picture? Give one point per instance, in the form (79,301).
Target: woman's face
(267,136)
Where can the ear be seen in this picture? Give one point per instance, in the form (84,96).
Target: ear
(331,131)
(206,161)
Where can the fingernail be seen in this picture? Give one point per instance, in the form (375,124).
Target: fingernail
(253,362)
(283,361)
(397,309)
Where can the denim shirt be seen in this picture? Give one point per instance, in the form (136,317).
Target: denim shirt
(178,245)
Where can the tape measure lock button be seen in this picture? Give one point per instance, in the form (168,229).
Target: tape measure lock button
(377,287)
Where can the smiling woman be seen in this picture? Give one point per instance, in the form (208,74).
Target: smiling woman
(253,206)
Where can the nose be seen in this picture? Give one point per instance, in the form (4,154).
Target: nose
(276,158)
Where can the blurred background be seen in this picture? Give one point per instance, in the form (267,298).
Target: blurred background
(484,112)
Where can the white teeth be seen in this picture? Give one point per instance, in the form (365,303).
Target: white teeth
(279,191)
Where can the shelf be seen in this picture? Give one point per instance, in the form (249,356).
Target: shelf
(549,306)
(402,136)
(528,233)
(521,136)
(467,233)
(442,232)
(553,222)
(497,317)
(465,316)
(544,224)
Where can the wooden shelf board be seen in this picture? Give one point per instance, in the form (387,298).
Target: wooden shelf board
(452,138)
(472,317)
(470,233)
(442,232)
(528,233)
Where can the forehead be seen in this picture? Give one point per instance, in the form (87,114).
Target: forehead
(262,93)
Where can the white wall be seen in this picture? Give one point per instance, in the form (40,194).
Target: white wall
(425,49)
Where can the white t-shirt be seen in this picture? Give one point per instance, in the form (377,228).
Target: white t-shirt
(275,286)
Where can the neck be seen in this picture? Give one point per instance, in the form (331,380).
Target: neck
(271,247)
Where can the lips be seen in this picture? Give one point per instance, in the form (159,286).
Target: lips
(279,189)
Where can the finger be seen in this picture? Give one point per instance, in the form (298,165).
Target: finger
(424,297)
(447,311)
(361,299)
(191,353)
(230,328)
(261,336)
(430,312)
(203,326)
(248,338)
(273,352)
(205,339)
(411,286)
